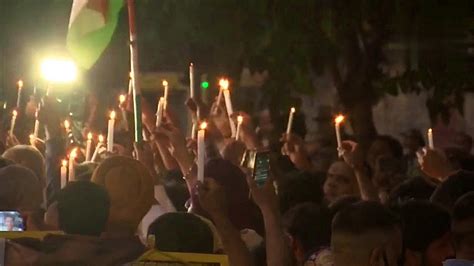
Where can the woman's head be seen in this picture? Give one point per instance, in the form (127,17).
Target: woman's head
(130,187)
(340,181)
(28,157)
(19,189)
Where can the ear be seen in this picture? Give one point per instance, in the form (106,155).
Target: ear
(376,257)
(412,258)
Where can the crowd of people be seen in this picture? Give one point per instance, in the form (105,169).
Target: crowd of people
(392,203)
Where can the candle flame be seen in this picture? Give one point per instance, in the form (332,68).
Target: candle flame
(430,131)
(203,125)
(89,136)
(32,136)
(73,153)
(292,109)
(20,84)
(339,119)
(67,125)
(101,138)
(240,119)
(64,163)
(165,83)
(122,98)
(224,84)
(15,113)
(112,115)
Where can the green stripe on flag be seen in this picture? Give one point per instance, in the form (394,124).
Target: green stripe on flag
(88,36)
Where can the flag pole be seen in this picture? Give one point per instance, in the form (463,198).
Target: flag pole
(136,92)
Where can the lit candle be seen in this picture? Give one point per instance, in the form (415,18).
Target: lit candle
(67,126)
(191,81)
(430,139)
(337,121)
(63,173)
(13,122)
(290,120)
(32,140)
(37,125)
(159,111)
(96,151)
(122,99)
(18,98)
(201,151)
(228,103)
(110,132)
(72,160)
(88,146)
(240,119)
(165,94)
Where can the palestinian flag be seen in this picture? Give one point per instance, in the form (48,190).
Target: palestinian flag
(91,27)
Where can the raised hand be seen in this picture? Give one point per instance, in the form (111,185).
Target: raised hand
(265,196)
(293,147)
(434,163)
(352,154)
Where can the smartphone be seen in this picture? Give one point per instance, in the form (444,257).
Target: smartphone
(261,167)
(11,221)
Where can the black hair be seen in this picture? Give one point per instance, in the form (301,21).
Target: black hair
(453,188)
(83,208)
(341,203)
(413,188)
(464,207)
(417,232)
(394,145)
(182,232)
(364,216)
(176,189)
(298,188)
(310,224)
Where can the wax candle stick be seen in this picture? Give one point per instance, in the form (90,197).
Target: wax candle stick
(122,99)
(219,99)
(191,81)
(165,94)
(201,151)
(110,132)
(67,126)
(228,105)
(159,111)
(97,147)
(72,161)
(337,122)
(240,119)
(18,98)
(37,125)
(13,122)
(290,120)
(88,147)
(63,173)
(430,139)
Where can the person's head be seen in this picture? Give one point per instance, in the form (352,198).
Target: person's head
(182,232)
(298,188)
(464,142)
(29,157)
(366,233)
(448,192)
(131,190)
(9,222)
(383,146)
(19,189)
(463,227)
(83,208)
(309,227)
(413,188)
(412,141)
(340,181)
(426,233)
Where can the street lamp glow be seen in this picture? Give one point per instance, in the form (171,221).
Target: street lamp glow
(59,70)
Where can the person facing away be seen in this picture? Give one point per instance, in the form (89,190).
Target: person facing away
(366,234)
(463,231)
(426,233)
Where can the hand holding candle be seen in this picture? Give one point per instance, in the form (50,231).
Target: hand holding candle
(63,173)
(430,139)
(290,120)
(337,121)
(110,132)
(88,147)
(97,147)
(159,111)
(201,151)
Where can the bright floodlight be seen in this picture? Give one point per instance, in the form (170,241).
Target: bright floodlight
(59,70)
